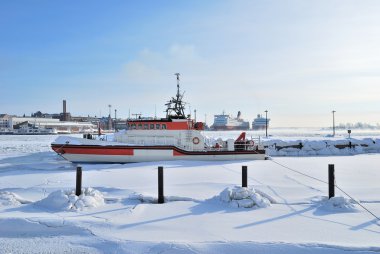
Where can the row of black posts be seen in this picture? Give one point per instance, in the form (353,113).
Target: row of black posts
(244,181)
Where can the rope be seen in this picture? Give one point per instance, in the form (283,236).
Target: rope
(60,148)
(319,180)
(357,202)
(312,177)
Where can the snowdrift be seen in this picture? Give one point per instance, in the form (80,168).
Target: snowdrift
(11,199)
(339,205)
(244,197)
(67,200)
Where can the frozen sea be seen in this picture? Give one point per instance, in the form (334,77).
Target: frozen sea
(205,211)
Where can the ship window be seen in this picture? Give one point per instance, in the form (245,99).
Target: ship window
(146,126)
(152,126)
(140,126)
(164,126)
(157,126)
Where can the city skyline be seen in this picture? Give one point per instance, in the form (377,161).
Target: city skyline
(298,60)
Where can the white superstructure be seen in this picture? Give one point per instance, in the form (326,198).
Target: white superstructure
(260,123)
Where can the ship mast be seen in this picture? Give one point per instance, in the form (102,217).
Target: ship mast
(176,107)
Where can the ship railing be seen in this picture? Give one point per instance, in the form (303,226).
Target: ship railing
(248,144)
(257,140)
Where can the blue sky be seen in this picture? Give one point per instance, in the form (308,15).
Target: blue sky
(298,59)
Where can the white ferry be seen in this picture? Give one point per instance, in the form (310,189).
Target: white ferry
(175,137)
(27,129)
(6,131)
(260,123)
(226,122)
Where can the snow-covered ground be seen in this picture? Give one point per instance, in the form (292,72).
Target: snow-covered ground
(206,211)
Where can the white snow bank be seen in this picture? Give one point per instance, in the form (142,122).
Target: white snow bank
(11,199)
(245,197)
(67,200)
(279,147)
(285,146)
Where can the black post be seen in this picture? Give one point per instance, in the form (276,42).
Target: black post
(331,181)
(78,189)
(160,185)
(244,182)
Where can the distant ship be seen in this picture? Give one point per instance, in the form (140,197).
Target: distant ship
(6,131)
(260,122)
(26,128)
(226,122)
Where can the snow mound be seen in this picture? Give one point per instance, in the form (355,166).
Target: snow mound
(67,200)
(340,204)
(9,199)
(245,197)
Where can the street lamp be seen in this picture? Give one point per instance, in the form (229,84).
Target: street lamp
(109,118)
(333,112)
(266,123)
(115,121)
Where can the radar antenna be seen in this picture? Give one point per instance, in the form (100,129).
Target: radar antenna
(176,107)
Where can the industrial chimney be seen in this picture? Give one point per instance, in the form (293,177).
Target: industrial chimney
(64,106)
(65,116)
